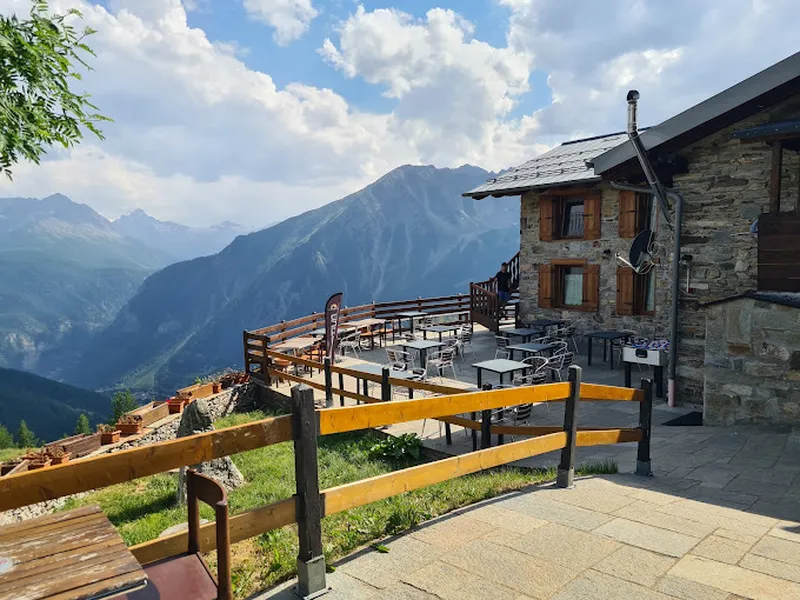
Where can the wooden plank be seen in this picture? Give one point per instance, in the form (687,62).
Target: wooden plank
(242,526)
(609,436)
(127,465)
(351,495)
(336,420)
(630,434)
(295,359)
(356,374)
(594,391)
(15,528)
(296,378)
(427,387)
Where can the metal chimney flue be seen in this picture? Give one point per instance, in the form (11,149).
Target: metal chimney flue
(633,99)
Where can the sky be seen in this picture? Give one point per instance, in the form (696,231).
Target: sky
(255,110)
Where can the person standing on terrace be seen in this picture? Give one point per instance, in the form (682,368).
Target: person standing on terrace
(503,278)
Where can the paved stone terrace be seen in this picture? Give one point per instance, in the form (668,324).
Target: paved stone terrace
(719,521)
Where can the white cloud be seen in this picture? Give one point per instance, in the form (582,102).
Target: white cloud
(289,18)
(199,137)
(454,92)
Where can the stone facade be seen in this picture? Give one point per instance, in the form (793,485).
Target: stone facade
(752,363)
(725,189)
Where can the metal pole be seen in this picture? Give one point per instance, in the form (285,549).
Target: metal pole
(328,383)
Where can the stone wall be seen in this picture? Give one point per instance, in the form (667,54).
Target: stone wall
(237,398)
(725,189)
(752,364)
(600,252)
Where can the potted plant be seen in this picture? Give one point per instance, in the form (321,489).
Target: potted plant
(216,387)
(130,424)
(38,460)
(176,404)
(58,455)
(108,434)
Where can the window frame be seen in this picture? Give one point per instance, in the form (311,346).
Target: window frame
(561,206)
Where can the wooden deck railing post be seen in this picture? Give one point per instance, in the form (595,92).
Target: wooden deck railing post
(386,389)
(328,383)
(310,559)
(341,387)
(566,468)
(645,423)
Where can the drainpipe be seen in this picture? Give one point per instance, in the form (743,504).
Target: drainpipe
(675,283)
(658,190)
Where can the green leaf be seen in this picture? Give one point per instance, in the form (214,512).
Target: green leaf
(380,548)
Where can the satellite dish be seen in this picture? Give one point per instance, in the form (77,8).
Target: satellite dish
(640,256)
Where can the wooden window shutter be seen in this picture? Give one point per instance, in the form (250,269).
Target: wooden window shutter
(625,293)
(591,287)
(545,286)
(592,217)
(627,214)
(545,219)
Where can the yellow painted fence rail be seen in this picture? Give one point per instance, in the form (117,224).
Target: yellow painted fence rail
(303,427)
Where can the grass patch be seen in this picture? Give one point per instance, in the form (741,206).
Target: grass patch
(143,508)
(11,453)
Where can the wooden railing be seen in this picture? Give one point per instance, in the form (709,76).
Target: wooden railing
(485,304)
(304,425)
(256,341)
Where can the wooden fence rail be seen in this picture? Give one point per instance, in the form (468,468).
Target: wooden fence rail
(304,425)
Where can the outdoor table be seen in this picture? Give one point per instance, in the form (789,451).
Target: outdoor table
(320,331)
(530,348)
(409,314)
(376,369)
(501,366)
(422,346)
(72,555)
(608,337)
(295,344)
(525,333)
(440,329)
(367,324)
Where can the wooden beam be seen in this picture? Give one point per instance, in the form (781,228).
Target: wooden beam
(609,436)
(101,471)
(775,178)
(594,391)
(351,495)
(337,420)
(242,526)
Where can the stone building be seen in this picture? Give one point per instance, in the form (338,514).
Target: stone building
(732,158)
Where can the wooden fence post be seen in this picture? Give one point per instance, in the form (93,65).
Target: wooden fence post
(328,383)
(645,423)
(341,387)
(566,469)
(386,389)
(310,559)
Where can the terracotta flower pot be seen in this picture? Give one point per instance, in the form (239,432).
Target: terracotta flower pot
(111,437)
(217,388)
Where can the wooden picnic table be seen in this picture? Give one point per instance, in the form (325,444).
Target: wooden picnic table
(72,555)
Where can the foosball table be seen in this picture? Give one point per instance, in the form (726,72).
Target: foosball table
(652,353)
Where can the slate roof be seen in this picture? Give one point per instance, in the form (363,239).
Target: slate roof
(747,97)
(563,165)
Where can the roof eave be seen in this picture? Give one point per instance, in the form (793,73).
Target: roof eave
(521,190)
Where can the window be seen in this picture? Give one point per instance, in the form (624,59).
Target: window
(569,284)
(569,216)
(635,213)
(636,293)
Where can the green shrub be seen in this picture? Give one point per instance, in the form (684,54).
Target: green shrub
(401,449)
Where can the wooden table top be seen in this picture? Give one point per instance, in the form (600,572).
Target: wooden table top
(296,343)
(72,555)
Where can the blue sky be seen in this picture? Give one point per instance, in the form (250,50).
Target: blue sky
(300,61)
(350,91)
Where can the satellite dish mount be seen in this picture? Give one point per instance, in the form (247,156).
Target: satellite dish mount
(640,256)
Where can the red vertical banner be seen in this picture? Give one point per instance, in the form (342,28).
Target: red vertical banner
(332,308)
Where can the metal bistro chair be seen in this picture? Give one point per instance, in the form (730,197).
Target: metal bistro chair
(352,343)
(442,360)
(187,577)
(399,360)
(558,362)
(568,334)
(502,347)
